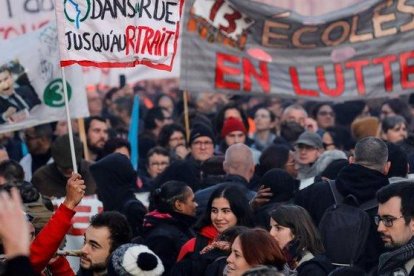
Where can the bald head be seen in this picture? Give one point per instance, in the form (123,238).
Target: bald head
(238,160)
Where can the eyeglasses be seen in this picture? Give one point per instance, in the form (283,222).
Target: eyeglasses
(202,143)
(387,220)
(159,164)
(326,113)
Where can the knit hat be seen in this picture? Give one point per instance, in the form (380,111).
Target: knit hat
(200,130)
(133,260)
(61,151)
(365,127)
(232,124)
(310,139)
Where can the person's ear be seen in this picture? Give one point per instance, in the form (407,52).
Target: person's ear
(387,167)
(351,159)
(178,205)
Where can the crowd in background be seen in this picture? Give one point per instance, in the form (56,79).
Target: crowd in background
(253,185)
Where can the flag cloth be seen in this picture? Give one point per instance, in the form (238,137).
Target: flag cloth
(242,46)
(31,91)
(115,33)
(133,132)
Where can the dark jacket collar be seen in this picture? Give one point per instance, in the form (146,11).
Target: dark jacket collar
(360,181)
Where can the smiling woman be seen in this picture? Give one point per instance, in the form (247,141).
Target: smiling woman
(227,207)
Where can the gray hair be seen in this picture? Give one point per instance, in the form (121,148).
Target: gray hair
(371,152)
(294,107)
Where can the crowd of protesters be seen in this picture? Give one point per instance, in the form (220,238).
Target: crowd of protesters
(237,185)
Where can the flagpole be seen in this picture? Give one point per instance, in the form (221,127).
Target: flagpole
(186,117)
(69,122)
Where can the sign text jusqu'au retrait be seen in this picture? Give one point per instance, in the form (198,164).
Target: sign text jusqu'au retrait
(119,33)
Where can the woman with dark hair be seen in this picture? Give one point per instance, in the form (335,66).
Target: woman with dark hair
(172,138)
(324,115)
(395,106)
(337,137)
(227,207)
(264,121)
(253,247)
(394,129)
(277,157)
(295,233)
(168,227)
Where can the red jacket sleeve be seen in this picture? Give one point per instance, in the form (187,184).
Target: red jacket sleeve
(48,240)
(61,267)
(188,247)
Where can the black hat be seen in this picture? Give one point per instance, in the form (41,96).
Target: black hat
(200,130)
(61,151)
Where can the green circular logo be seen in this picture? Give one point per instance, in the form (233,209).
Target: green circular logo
(74,12)
(53,95)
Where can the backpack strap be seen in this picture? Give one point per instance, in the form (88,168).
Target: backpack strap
(338,197)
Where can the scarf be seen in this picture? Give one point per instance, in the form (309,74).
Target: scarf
(394,261)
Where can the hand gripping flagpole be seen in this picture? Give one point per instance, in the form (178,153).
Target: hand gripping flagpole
(69,122)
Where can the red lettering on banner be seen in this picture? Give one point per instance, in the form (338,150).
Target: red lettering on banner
(143,39)
(222,69)
(262,79)
(339,79)
(357,66)
(407,69)
(7,32)
(261,74)
(294,76)
(386,66)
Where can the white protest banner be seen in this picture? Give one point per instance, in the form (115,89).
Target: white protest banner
(31,88)
(25,16)
(18,17)
(116,33)
(241,46)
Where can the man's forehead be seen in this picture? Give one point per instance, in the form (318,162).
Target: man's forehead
(390,207)
(99,234)
(98,124)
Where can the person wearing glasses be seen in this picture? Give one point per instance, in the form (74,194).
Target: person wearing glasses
(324,115)
(395,222)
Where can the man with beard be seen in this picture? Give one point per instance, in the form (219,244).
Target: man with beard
(107,231)
(395,221)
(97,134)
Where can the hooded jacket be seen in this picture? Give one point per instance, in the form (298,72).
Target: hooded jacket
(115,180)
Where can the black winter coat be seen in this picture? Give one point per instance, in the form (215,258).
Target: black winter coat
(166,233)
